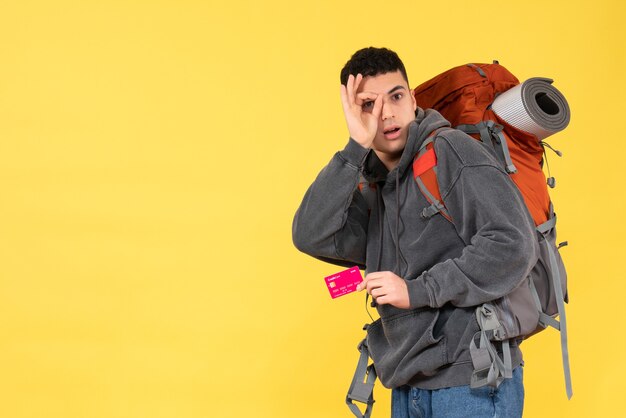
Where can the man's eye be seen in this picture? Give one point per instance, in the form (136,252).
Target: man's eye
(367,105)
(398,96)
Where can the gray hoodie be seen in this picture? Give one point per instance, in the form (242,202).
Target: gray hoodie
(450,268)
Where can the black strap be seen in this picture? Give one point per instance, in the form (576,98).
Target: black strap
(362,386)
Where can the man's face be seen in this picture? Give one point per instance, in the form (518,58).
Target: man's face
(398,111)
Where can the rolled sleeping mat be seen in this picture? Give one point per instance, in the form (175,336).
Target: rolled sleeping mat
(534,106)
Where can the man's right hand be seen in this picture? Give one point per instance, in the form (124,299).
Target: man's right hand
(362,111)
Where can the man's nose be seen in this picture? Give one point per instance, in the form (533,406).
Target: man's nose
(387,111)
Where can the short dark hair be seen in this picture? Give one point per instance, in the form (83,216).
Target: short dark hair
(372,62)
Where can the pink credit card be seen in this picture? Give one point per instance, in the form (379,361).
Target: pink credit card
(344,282)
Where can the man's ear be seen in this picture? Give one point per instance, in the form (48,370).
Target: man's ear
(413,99)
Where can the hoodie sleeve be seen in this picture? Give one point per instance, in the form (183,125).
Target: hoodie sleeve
(490,216)
(331,222)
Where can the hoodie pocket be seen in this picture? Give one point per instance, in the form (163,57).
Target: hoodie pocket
(403,346)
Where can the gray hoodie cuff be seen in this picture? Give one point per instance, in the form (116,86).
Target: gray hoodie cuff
(354,153)
(420,294)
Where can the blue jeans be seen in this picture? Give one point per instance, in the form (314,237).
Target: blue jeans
(507,401)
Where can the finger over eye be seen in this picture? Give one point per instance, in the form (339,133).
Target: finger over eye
(366,96)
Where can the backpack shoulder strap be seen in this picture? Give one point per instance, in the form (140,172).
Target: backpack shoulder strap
(425,175)
(368,191)
(362,386)
(558,282)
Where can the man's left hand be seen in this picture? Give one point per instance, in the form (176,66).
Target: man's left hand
(386,288)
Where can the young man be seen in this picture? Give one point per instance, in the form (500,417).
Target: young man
(427,275)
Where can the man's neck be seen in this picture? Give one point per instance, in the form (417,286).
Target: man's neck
(389,161)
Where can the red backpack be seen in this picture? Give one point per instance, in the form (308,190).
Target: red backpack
(488,102)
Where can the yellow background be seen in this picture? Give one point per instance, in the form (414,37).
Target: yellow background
(153,153)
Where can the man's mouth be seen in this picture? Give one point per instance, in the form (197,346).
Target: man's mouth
(392,132)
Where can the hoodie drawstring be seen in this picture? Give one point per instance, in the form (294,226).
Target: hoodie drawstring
(397,267)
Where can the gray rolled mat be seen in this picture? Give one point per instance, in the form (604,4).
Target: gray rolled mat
(534,106)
